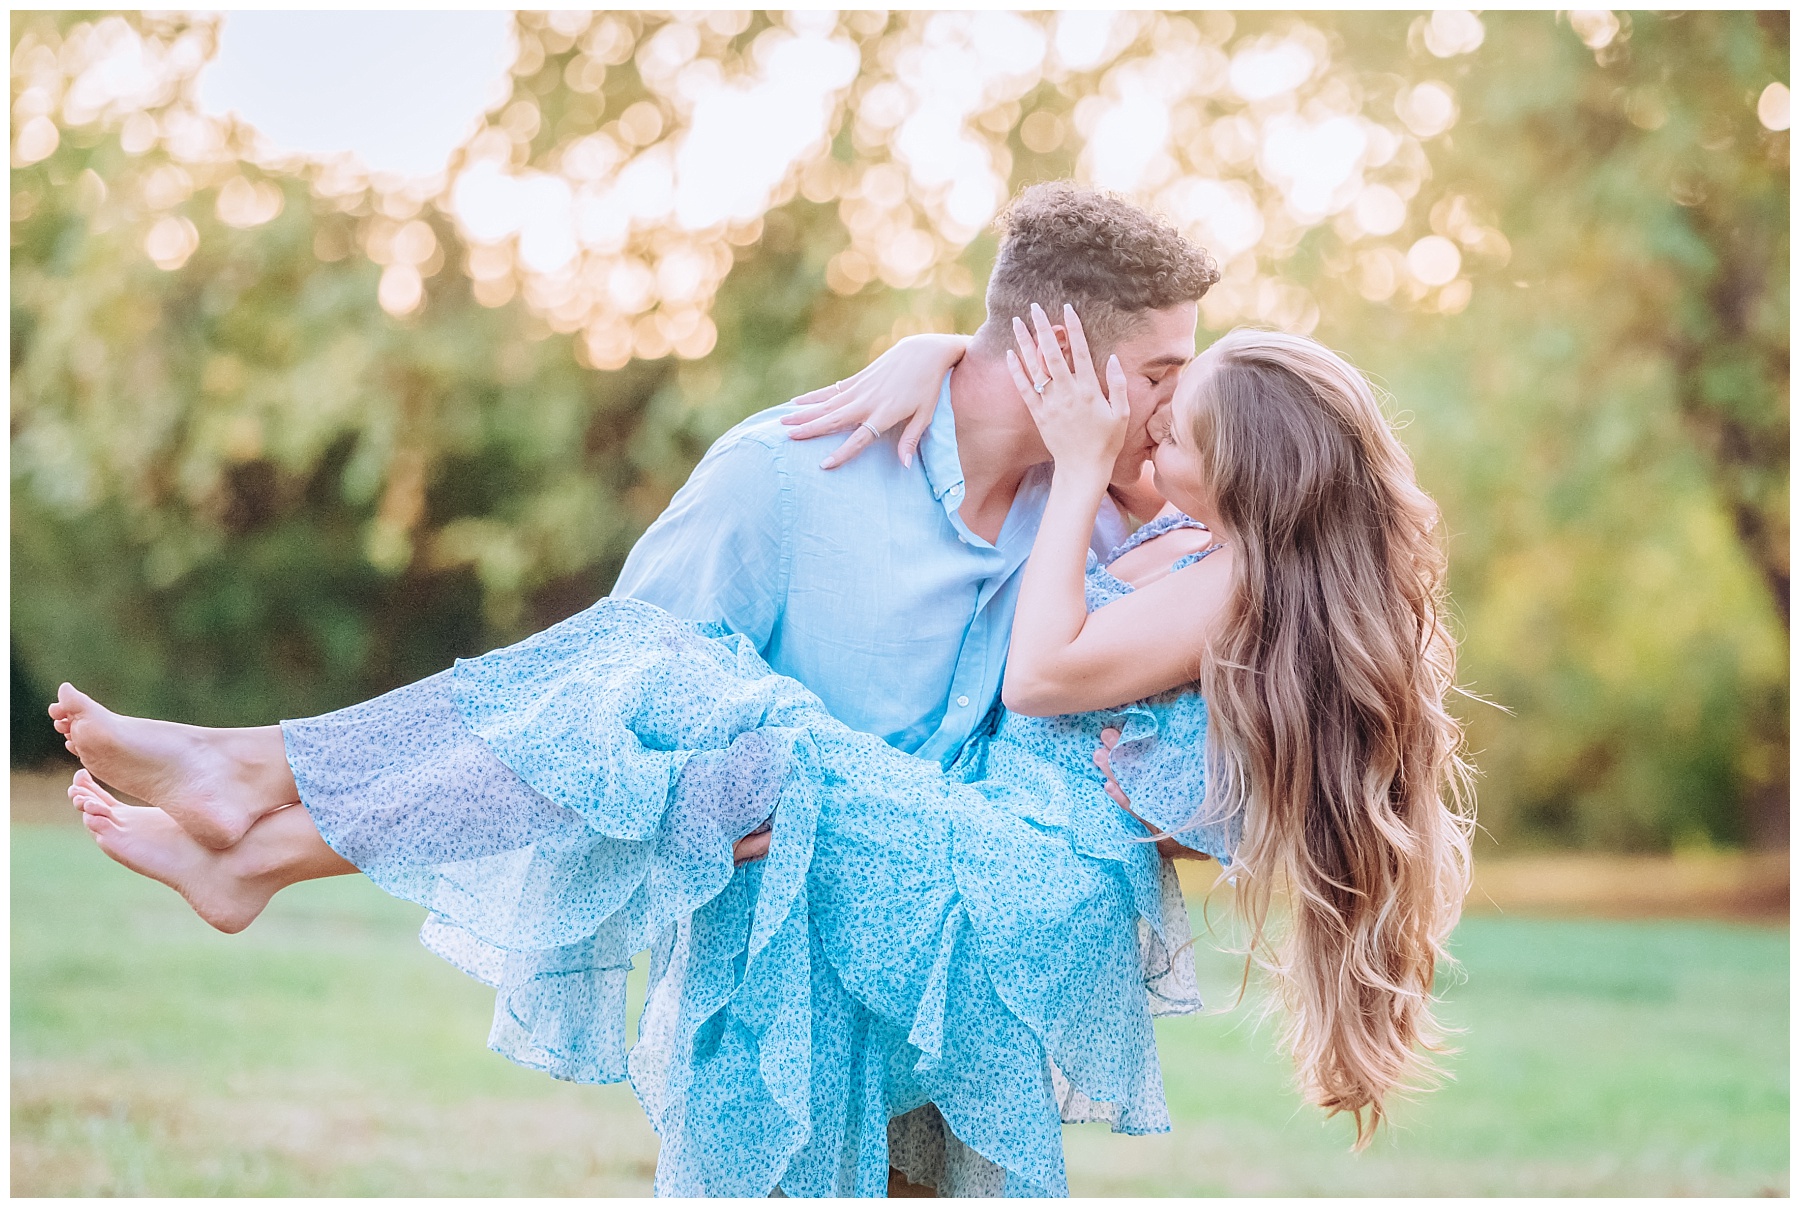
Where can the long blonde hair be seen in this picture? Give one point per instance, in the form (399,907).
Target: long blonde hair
(1325,687)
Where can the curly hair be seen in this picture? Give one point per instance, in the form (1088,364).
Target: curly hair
(1113,261)
(1325,689)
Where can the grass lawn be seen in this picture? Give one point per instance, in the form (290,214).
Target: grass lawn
(324,1052)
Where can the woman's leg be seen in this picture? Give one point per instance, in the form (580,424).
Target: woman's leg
(227,888)
(214,783)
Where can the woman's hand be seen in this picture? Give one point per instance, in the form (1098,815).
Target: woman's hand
(900,384)
(1081,424)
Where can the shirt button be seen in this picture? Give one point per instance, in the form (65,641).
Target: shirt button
(963,701)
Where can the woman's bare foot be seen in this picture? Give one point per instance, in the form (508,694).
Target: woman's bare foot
(148,841)
(214,783)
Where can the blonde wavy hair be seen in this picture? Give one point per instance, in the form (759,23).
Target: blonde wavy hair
(1325,686)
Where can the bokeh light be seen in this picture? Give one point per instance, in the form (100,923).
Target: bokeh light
(170,242)
(1428,110)
(1434,260)
(1772,106)
(1596,27)
(401,290)
(243,203)
(1380,210)
(1450,32)
(36,140)
(618,225)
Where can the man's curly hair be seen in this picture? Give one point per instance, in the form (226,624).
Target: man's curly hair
(1111,260)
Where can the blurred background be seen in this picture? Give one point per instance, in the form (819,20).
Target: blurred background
(347,344)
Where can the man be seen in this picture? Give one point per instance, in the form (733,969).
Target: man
(888,590)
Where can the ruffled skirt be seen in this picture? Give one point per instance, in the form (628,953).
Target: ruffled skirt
(916,975)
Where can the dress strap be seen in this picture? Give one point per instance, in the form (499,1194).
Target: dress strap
(1184,562)
(1156,528)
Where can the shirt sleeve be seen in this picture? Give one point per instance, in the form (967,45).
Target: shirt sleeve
(719,551)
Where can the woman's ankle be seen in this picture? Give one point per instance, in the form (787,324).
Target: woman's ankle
(260,757)
(284,848)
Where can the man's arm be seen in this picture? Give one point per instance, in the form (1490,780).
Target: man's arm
(720,551)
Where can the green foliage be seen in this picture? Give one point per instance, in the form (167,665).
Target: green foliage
(243,490)
(1606,428)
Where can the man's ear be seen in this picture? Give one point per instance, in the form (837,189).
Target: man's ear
(1062,342)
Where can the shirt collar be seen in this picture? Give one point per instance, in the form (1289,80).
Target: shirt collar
(937,453)
(942,464)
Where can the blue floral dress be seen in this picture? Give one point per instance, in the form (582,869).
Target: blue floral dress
(931,970)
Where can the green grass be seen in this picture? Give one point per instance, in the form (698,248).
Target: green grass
(324,1052)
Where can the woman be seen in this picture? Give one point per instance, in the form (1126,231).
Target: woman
(966,952)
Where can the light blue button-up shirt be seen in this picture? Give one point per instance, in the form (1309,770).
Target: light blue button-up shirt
(863,582)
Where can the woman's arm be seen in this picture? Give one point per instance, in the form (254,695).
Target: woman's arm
(900,384)
(1063,659)
(1147,642)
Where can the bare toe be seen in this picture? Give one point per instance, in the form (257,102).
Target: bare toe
(86,792)
(71,700)
(149,842)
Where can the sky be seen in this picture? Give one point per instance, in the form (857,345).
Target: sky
(399,89)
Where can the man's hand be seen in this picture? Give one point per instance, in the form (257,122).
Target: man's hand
(1167,848)
(1109,738)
